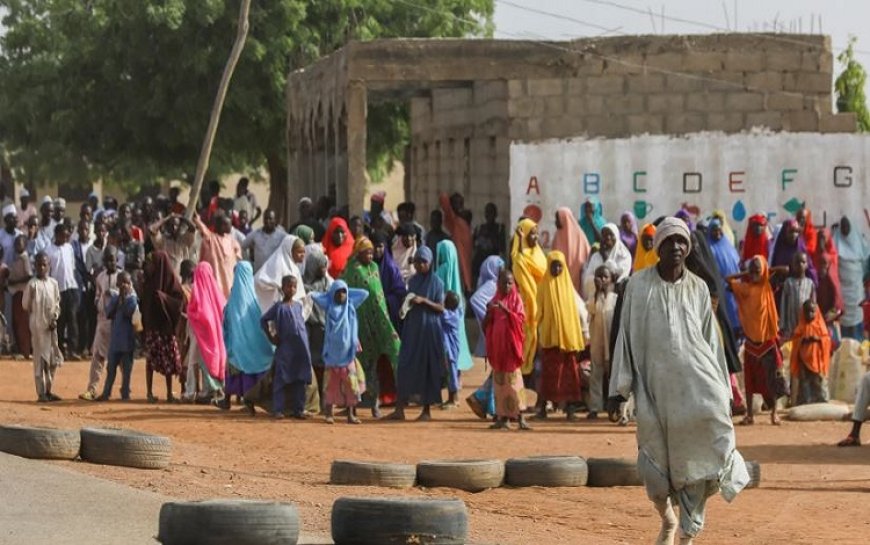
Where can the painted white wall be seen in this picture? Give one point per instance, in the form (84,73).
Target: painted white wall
(742,174)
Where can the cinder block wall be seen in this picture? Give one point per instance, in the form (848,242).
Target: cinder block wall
(620,87)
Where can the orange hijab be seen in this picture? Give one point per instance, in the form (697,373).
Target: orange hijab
(756,306)
(815,356)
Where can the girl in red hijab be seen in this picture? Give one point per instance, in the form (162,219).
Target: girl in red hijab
(757,239)
(337,245)
(808,230)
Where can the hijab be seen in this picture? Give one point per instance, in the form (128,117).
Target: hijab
(267,281)
(756,244)
(205,315)
(597,219)
(809,234)
(487,286)
(163,297)
(619,256)
(447,267)
(502,351)
(304,232)
(815,356)
(644,258)
(338,255)
(248,348)
(756,305)
(853,247)
(783,254)
(629,238)
(727,231)
(341,341)
(529,264)
(404,257)
(558,320)
(572,242)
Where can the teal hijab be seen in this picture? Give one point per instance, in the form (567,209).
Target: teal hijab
(447,269)
(248,349)
(597,219)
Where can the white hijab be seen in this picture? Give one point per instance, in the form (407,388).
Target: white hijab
(267,281)
(619,261)
(404,258)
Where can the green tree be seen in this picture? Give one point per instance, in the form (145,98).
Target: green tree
(122,90)
(850,87)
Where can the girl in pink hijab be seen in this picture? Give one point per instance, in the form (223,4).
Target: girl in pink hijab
(571,241)
(205,314)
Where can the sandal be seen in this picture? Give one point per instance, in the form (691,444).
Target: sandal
(747,421)
(152,398)
(353,420)
(850,441)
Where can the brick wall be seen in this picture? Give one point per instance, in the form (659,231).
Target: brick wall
(618,87)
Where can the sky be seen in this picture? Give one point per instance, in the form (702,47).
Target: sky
(588,18)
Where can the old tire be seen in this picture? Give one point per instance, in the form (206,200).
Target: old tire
(612,472)
(348,472)
(468,475)
(41,443)
(228,522)
(819,412)
(754,469)
(399,521)
(128,448)
(546,471)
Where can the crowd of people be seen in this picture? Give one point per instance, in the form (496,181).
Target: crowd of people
(338,311)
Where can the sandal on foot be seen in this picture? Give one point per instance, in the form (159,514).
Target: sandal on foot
(152,398)
(850,441)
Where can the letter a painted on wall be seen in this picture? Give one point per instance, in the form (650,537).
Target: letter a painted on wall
(533,186)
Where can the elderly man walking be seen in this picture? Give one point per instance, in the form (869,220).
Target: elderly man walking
(669,355)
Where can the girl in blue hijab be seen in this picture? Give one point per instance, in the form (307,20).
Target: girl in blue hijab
(592,220)
(249,352)
(344,380)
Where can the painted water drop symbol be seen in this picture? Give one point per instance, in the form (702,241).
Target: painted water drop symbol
(739,211)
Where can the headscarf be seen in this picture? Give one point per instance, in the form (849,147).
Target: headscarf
(341,341)
(391,279)
(557,310)
(853,247)
(362,244)
(686,217)
(487,286)
(205,313)
(597,220)
(619,257)
(829,249)
(162,297)
(304,232)
(756,305)
(529,266)
(830,294)
(404,257)
(809,234)
(815,356)
(338,255)
(447,261)
(504,351)
(644,258)
(248,348)
(630,239)
(572,242)
(755,244)
(267,281)
(783,254)
(670,227)
(727,231)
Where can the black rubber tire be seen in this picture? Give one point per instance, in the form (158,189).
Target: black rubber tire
(349,472)
(40,443)
(546,471)
(468,475)
(754,469)
(228,522)
(612,472)
(399,521)
(116,447)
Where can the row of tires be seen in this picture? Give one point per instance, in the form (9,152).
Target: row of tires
(355,521)
(479,475)
(107,446)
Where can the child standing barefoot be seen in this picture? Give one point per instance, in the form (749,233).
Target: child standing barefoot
(450,320)
(504,348)
(344,381)
(42,301)
(601,309)
(292,356)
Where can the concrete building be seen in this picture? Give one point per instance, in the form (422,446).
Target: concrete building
(469,99)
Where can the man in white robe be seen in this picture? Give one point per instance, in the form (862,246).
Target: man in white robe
(669,356)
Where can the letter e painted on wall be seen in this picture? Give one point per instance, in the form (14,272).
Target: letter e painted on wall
(735,182)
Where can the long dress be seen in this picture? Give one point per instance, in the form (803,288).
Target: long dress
(561,335)
(249,352)
(267,281)
(669,356)
(421,359)
(728,262)
(571,241)
(528,265)
(447,269)
(393,285)
(377,335)
(162,300)
(482,401)
(460,233)
(853,252)
(811,358)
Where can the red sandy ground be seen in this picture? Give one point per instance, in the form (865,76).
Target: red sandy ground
(811,492)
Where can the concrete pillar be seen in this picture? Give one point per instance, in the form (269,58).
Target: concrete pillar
(356,149)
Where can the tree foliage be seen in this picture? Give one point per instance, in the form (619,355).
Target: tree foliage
(122,90)
(850,87)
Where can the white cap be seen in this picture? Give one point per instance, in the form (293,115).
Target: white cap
(23,193)
(9,209)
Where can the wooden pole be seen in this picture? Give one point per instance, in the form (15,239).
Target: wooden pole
(217,107)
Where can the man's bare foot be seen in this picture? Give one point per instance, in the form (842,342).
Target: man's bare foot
(330,420)
(774,420)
